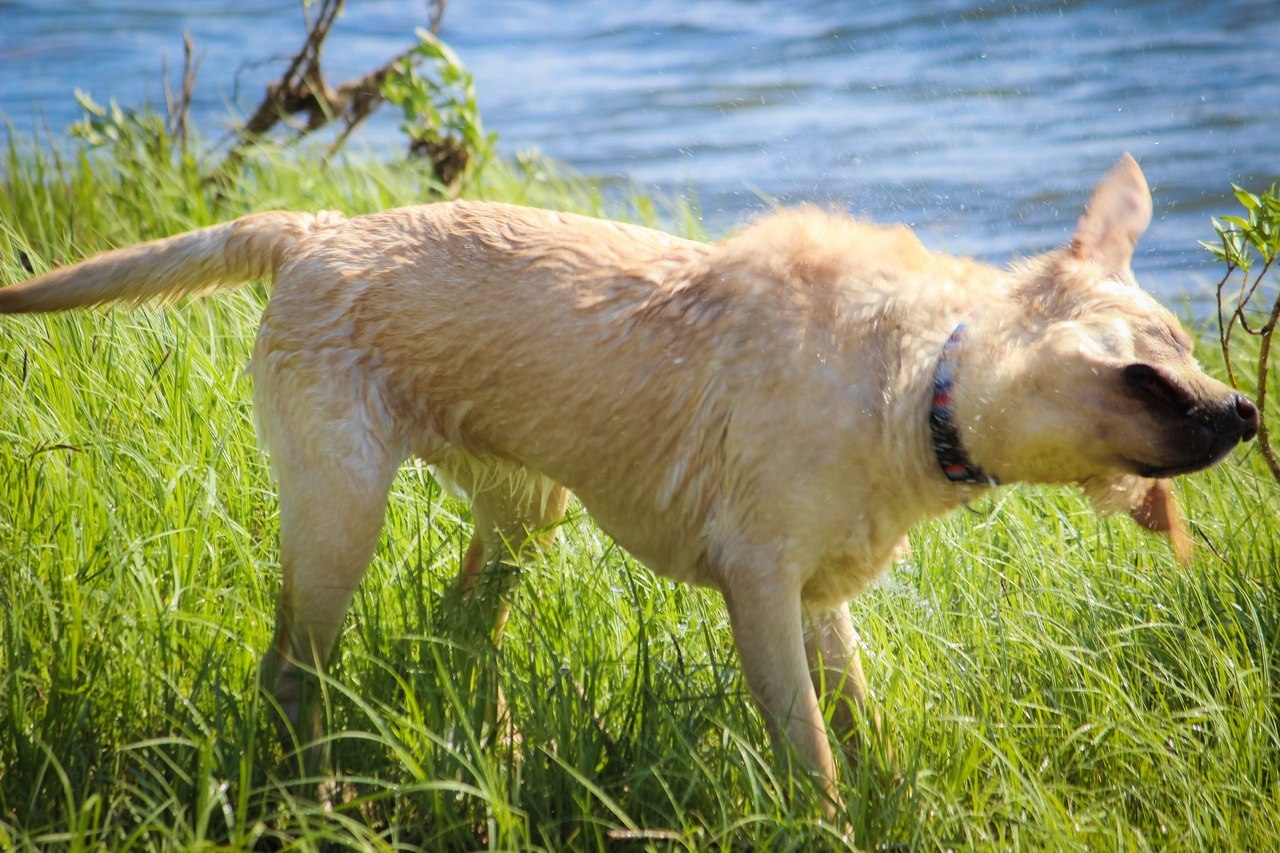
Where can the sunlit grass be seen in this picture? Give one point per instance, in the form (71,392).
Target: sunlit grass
(1049,679)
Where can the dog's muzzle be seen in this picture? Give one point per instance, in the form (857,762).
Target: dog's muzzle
(1195,434)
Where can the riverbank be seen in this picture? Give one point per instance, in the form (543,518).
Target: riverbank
(1049,679)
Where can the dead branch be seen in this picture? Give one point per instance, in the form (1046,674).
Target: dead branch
(303,90)
(179,109)
(355,100)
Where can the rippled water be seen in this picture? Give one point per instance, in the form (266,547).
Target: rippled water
(981,124)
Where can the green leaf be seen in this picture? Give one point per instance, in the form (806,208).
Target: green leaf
(1246,198)
(1215,249)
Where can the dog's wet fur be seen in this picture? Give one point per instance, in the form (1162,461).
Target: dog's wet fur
(751,415)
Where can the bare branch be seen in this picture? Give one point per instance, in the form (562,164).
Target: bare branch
(435,17)
(178,108)
(303,90)
(1244,323)
(1264,357)
(1224,328)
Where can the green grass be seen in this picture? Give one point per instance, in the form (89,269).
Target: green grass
(1050,679)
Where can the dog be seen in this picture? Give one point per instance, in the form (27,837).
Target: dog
(768,415)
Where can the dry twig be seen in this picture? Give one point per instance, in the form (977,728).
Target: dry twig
(303,90)
(179,109)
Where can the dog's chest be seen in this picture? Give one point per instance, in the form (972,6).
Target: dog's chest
(851,564)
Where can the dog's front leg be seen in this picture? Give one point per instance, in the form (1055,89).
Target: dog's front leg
(511,508)
(768,631)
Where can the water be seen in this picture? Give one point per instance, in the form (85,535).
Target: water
(982,125)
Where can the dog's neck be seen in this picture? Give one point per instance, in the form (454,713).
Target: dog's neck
(948,449)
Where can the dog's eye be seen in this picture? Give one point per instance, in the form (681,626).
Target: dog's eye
(1181,341)
(1165,334)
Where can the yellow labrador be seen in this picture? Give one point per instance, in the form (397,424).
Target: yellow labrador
(768,415)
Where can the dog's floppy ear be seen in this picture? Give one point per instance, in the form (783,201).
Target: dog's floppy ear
(1151,503)
(1157,509)
(1118,212)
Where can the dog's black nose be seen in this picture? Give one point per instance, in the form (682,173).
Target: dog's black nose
(1248,414)
(1232,419)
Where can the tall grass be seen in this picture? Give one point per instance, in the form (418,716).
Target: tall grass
(1049,679)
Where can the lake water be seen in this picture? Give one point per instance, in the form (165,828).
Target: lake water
(982,125)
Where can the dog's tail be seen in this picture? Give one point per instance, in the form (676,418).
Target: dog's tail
(189,264)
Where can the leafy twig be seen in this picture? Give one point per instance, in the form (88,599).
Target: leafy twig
(1242,242)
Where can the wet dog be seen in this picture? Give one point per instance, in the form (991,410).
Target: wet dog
(767,415)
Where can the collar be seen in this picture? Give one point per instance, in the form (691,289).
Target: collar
(952,459)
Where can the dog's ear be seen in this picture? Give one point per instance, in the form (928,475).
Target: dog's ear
(1157,510)
(1150,503)
(1118,212)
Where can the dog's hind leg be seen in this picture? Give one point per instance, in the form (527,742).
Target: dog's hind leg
(333,488)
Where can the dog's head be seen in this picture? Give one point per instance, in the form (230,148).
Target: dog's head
(1091,381)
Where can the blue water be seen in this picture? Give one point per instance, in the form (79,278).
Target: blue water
(983,125)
